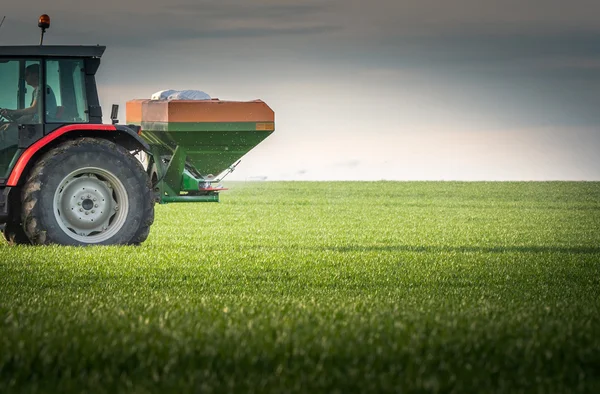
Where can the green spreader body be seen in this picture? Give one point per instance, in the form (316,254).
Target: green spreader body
(193,142)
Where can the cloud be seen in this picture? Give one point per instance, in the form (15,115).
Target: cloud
(490,46)
(248,10)
(264,32)
(153,23)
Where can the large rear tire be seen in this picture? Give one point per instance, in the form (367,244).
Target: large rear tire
(87,191)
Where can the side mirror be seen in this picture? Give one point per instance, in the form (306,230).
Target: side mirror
(114,114)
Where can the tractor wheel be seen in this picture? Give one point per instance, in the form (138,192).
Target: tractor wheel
(87,191)
(14,234)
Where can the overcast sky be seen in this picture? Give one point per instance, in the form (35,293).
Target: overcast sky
(379,89)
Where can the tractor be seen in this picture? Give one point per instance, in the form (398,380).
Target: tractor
(66,178)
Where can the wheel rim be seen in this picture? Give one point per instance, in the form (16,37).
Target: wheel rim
(91,205)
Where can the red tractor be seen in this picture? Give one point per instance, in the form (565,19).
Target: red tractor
(66,178)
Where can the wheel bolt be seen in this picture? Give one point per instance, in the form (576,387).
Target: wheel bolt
(80,209)
(94,200)
(87,213)
(93,211)
(95,205)
(79,203)
(83,198)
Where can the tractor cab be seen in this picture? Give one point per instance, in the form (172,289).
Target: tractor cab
(43,88)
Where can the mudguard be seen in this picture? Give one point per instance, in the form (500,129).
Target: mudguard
(123,135)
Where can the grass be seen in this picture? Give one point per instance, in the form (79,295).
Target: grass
(313,287)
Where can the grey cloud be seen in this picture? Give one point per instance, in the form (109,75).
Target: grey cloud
(474,47)
(248,10)
(151,25)
(265,32)
(178,34)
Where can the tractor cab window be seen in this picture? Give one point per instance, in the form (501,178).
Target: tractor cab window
(65,94)
(20,103)
(9,84)
(19,93)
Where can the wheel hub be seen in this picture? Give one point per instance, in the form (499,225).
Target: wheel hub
(87,205)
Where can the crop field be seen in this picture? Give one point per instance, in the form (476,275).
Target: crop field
(320,287)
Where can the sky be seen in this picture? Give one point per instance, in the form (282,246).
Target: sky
(362,90)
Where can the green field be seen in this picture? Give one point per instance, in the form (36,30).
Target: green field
(320,287)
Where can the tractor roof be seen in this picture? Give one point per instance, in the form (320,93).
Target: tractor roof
(52,51)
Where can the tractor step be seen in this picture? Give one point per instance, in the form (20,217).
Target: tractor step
(4,204)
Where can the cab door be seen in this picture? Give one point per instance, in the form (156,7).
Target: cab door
(18,91)
(65,95)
